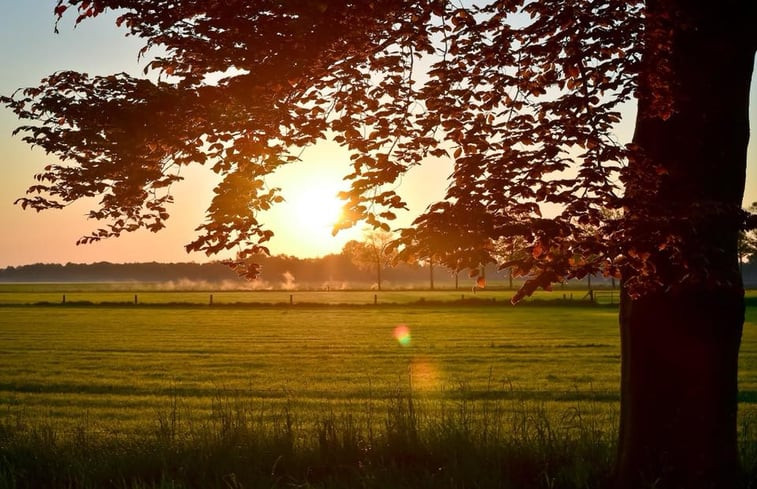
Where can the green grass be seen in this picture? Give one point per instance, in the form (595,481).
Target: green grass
(161,294)
(123,363)
(314,396)
(238,448)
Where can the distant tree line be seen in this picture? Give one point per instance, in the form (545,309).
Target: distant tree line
(340,270)
(335,270)
(117,272)
(330,271)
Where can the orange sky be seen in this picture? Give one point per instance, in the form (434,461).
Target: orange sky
(29,50)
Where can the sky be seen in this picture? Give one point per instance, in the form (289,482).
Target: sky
(29,50)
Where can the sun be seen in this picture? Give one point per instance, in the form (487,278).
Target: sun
(304,221)
(316,210)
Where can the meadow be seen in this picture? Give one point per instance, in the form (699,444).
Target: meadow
(422,390)
(125,293)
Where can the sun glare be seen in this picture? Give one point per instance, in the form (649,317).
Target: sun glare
(316,210)
(303,223)
(306,219)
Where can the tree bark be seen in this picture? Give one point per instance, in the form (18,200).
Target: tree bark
(679,345)
(679,390)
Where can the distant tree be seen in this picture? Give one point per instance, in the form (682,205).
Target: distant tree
(423,254)
(430,262)
(446,244)
(372,253)
(747,246)
(510,252)
(415,261)
(523,96)
(748,241)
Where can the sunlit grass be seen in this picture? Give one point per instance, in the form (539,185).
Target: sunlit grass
(158,293)
(59,365)
(154,391)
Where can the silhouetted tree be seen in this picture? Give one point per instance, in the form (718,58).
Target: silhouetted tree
(423,254)
(748,241)
(510,252)
(373,253)
(523,96)
(747,246)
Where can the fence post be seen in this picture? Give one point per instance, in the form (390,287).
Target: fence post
(291,299)
(375,299)
(211,299)
(64,298)
(135,299)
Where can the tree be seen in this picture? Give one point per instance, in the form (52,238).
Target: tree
(748,242)
(420,262)
(373,253)
(429,250)
(747,247)
(510,251)
(523,96)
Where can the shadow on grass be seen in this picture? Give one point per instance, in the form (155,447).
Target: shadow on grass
(402,443)
(405,442)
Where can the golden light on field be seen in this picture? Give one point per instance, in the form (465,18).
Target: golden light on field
(424,374)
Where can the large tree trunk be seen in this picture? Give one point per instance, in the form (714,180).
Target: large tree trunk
(679,346)
(679,396)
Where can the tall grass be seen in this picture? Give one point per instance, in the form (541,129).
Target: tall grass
(410,441)
(496,444)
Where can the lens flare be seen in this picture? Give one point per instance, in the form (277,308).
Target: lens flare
(424,374)
(402,335)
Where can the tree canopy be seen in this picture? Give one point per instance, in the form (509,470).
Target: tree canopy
(523,96)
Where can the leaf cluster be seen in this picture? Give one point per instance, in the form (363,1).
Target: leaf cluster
(522,96)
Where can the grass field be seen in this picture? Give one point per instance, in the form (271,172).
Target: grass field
(170,378)
(124,364)
(162,294)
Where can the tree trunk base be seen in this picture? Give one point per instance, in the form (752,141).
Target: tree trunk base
(679,390)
